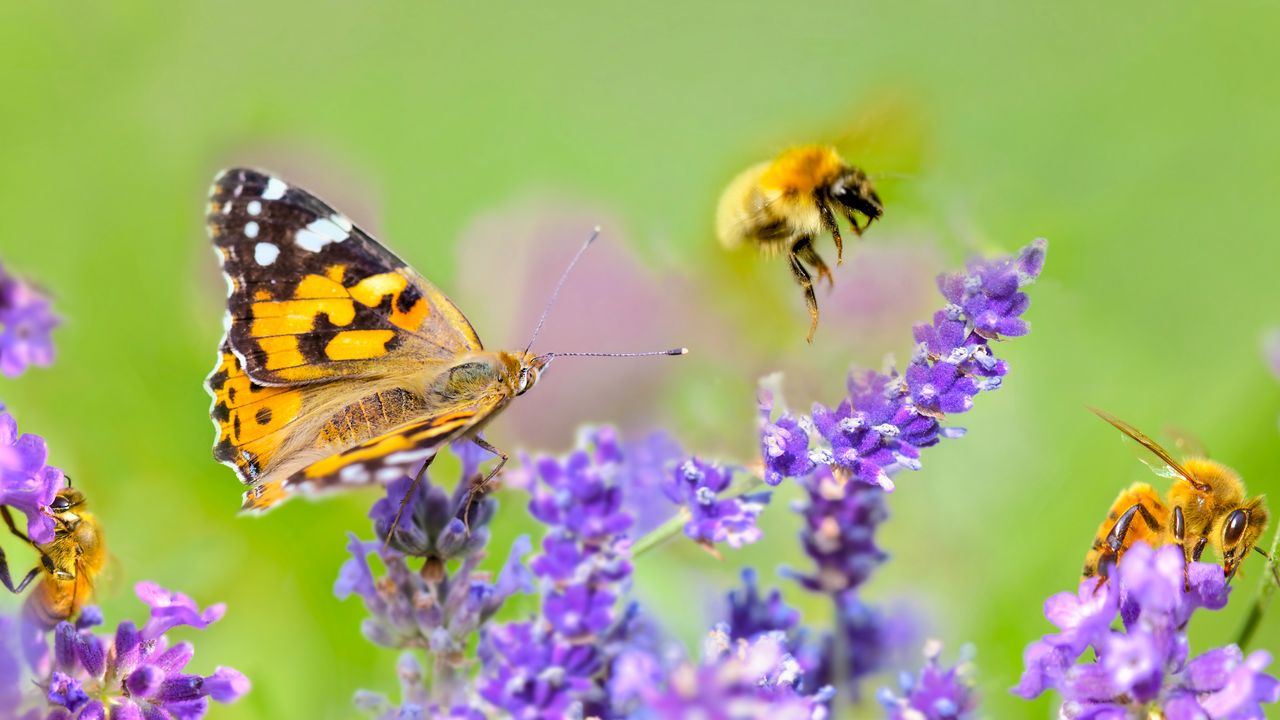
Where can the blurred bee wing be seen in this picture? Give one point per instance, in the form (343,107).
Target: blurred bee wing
(1166,466)
(109,583)
(887,137)
(1187,443)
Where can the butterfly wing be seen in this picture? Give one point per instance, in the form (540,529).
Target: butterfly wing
(326,330)
(380,459)
(312,297)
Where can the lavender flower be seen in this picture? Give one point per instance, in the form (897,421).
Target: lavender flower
(839,532)
(696,485)
(538,669)
(133,674)
(887,418)
(431,608)
(26,321)
(751,615)
(27,484)
(736,680)
(937,693)
(414,704)
(1144,669)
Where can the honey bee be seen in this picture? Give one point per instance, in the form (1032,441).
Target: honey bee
(1205,506)
(782,205)
(71,561)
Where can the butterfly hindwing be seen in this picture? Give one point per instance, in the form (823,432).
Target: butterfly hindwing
(313,297)
(380,459)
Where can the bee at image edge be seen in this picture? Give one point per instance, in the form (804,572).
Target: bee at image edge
(70,562)
(780,206)
(1206,506)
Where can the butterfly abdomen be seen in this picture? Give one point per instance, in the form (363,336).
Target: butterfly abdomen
(370,416)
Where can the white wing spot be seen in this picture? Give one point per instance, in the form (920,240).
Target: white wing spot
(275,189)
(387,474)
(254,207)
(329,229)
(341,221)
(354,474)
(265,253)
(226,207)
(409,456)
(308,240)
(251,229)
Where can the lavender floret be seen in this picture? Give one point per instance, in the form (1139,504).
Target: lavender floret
(1145,666)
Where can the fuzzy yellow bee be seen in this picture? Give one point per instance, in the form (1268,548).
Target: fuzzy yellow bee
(71,561)
(783,205)
(1207,505)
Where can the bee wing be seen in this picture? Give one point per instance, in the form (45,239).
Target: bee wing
(1188,443)
(886,137)
(1171,468)
(109,582)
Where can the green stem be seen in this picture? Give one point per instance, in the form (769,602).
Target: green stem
(1266,590)
(669,529)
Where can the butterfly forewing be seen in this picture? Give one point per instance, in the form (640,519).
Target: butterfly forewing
(313,297)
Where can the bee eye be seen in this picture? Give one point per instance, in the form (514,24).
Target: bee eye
(1234,529)
(60,504)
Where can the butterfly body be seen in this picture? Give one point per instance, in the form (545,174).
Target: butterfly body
(341,365)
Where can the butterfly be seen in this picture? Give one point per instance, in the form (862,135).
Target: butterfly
(341,365)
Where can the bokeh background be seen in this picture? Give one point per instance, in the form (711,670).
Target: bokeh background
(482,140)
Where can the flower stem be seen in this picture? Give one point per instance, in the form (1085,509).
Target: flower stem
(1266,590)
(669,529)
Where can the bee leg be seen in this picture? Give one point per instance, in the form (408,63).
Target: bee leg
(853,220)
(1115,538)
(7,580)
(829,222)
(804,250)
(8,520)
(405,500)
(480,487)
(802,276)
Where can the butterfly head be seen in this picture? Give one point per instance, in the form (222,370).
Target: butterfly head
(530,368)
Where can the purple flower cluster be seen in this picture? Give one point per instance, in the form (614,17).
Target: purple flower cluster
(27,483)
(840,521)
(696,484)
(1146,668)
(132,675)
(431,608)
(26,321)
(887,418)
(538,669)
(756,679)
(937,693)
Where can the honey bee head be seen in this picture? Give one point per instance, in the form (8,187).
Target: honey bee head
(853,189)
(1240,530)
(65,506)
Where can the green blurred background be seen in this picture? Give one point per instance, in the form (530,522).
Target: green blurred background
(1140,139)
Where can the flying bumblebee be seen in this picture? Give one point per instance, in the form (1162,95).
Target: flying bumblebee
(1205,506)
(71,561)
(782,205)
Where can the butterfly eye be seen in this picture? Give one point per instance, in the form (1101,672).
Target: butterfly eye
(1234,529)
(528,376)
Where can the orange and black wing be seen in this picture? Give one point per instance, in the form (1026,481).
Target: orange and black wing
(1149,444)
(380,459)
(312,297)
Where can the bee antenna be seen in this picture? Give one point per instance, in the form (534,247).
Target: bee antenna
(68,477)
(594,234)
(675,351)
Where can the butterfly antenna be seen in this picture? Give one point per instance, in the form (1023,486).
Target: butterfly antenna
(594,234)
(675,351)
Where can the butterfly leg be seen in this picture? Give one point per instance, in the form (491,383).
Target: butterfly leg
(806,281)
(405,500)
(829,222)
(480,486)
